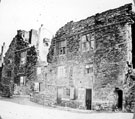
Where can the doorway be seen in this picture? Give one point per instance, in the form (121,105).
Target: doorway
(119,93)
(59,95)
(133,44)
(88,99)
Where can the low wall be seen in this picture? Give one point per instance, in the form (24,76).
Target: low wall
(41,99)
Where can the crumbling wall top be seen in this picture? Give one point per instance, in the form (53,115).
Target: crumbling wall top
(112,16)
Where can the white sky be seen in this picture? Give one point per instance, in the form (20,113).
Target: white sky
(30,14)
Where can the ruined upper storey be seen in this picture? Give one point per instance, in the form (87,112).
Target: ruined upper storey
(74,30)
(113,16)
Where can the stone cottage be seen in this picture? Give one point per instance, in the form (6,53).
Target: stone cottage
(89,59)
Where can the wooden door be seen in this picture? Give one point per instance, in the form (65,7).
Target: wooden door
(88,99)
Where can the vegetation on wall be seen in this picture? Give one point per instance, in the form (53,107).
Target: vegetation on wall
(31,58)
(31,62)
(130,91)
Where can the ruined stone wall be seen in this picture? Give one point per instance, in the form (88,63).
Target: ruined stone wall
(111,31)
(34,37)
(12,63)
(8,70)
(9,64)
(110,59)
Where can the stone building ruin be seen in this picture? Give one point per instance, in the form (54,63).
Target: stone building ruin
(90,64)
(88,61)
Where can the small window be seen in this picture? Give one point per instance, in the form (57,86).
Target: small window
(61,48)
(92,44)
(8,73)
(62,51)
(61,71)
(90,38)
(89,68)
(22,80)
(84,43)
(23,58)
(67,91)
(36,87)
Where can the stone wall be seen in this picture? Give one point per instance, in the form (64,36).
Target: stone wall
(8,63)
(111,32)
(13,69)
(111,56)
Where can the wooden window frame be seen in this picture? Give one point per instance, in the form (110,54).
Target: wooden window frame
(23,58)
(61,47)
(9,73)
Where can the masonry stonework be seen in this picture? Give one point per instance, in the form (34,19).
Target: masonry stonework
(88,60)
(19,62)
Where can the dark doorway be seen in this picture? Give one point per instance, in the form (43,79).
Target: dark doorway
(88,99)
(120,98)
(133,45)
(59,95)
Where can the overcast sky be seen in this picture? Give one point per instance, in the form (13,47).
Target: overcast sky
(30,14)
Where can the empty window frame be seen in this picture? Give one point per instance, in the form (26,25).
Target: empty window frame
(23,58)
(36,86)
(22,80)
(90,38)
(61,48)
(84,43)
(89,68)
(61,71)
(66,93)
(8,73)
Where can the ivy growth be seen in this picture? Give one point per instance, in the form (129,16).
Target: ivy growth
(31,62)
